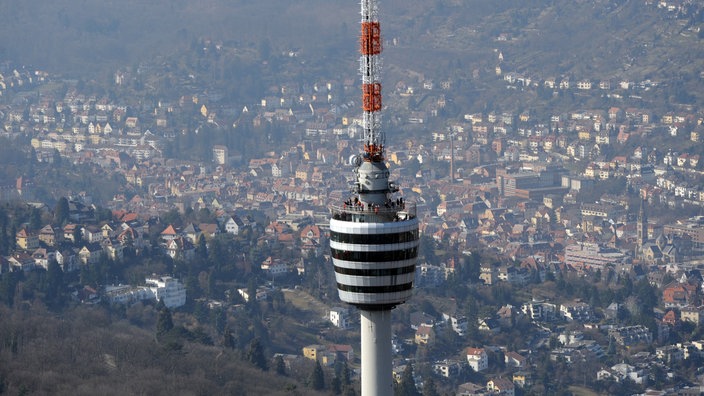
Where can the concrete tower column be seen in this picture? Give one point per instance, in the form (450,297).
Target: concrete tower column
(377,377)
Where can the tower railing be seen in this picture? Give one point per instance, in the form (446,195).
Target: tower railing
(374,214)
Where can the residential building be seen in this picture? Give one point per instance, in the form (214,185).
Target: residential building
(234,225)
(314,352)
(622,371)
(577,311)
(165,288)
(425,334)
(501,386)
(539,310)
(447,368)
(168,289)
(458,323)
(26,240)
(592,256)
(340,317)
(477,358)
(631,335)
(692,314)
(513,359)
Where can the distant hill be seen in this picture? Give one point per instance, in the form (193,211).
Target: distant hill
(591,39)
(79,37)
(585,38)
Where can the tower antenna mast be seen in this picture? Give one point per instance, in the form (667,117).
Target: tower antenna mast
(370,69)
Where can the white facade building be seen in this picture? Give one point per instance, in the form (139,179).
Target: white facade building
(340,317)
(169,289)
(478,359)
(165,287)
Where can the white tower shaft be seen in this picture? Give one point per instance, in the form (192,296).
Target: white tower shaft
(377,378)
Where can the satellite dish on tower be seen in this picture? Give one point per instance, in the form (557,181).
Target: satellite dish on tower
(355,160)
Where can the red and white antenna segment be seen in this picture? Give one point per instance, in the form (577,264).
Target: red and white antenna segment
(370,68)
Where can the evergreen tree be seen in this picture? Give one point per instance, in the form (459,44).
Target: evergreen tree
(611,350)
(429,388)
(279,365)
(77,235)
(8,285)
(252,304)
(255,354)
(201,248)
(61,211)
(472,314)
(474,267)
(164,321)
(407,386)
(228,339)
(336,386)
(317,378)
(219,317)
(349,391)
(342,372)
(54,284)
(35,219)
(11,241)
(4,243)
(341,381)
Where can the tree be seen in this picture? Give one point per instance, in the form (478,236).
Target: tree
(427,249)
(280,365)
(54,285)
(336,386)
(219,318)
(472,314)
(317,379)
(647,295)
(202,247)
(8,285)
(77,235)
(61,211)
(4,242)
(407,386)
(228,340)
(255,355)
(164,321)
(342,372)
(429,388)
(341,381)
(35,219)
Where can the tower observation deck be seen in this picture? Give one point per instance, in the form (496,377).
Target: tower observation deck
(374,252)
(373,232)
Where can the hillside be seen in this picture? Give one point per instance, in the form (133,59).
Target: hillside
(79,37)
(87,351)
(592,39)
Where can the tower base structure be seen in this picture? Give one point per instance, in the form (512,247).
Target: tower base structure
(377,378)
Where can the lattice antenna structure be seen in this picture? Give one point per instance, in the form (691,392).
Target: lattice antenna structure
(370,69)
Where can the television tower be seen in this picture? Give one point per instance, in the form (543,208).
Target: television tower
(374,232)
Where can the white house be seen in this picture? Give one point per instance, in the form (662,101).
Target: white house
(622,371)
(274,266)
(234,225)
(169,289)
(478,359)
(340,317)
(458,323)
